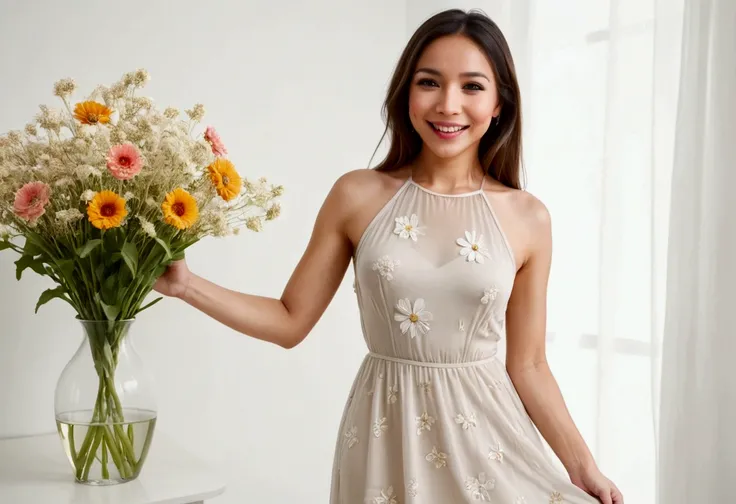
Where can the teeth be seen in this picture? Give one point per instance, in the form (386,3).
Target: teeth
(448,129)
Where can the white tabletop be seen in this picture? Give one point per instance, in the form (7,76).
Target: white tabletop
(35,470)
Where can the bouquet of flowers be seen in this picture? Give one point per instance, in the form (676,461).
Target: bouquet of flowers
(106,192)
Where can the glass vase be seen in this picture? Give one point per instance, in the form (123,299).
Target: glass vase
(105,406)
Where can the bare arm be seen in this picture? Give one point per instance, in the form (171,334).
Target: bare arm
(313,284)
(526,360)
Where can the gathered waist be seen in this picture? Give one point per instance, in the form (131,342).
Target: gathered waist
(445,365)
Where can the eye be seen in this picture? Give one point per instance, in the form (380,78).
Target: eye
(426,82)
(474,87)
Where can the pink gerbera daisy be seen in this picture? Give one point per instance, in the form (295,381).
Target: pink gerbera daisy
(124,161)
(31,200)
(218,148)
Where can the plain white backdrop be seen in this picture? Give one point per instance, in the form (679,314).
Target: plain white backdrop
(295,90)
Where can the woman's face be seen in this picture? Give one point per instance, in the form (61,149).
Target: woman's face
(453,96)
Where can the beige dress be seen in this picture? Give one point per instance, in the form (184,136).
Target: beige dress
(432,416)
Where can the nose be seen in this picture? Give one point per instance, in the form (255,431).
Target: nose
(450,101)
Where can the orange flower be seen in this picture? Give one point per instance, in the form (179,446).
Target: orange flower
(180,209)
(90,112)
(106,210)
(225,178)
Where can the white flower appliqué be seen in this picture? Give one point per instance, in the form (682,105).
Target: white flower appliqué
(408,227)
(467,421)
(415,319)
(387,497)
(412,488)
(385,267)
(473,249)
(391,395)
(556,498)
(489,295)
(352,436)
(438,458)
(480,487)
(496,453)
(424,423)
(379,427)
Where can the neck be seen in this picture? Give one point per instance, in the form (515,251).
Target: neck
(462,172)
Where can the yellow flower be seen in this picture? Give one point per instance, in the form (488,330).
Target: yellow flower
(225,178)
(106,210)
(180,209)
(90,112)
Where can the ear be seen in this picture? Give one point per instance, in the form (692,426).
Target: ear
(497,110)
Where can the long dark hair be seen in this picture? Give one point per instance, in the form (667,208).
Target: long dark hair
(499,151)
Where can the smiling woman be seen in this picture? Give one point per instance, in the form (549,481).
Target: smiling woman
(433,415)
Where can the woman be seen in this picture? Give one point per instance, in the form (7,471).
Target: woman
(433,416)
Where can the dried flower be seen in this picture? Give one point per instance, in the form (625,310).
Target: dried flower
(64,87)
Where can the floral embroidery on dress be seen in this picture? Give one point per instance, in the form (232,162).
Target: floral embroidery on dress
(466,421)
(556,498)
(408,227)
(480,487)
(424,423)
(426,386)
(387,497)
(414,319)
(438,458)
(385,267)
(379,427)
(392,393)
(496,453)
(412,488)
(461,325)
(489,295)
(473,249)
(352,436)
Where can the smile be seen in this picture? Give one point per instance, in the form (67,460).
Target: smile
(448,131)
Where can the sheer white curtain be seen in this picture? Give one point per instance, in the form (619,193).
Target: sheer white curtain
(600,86)
(697,436)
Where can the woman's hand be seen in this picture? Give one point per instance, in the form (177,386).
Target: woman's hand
(593,482)
(175,280)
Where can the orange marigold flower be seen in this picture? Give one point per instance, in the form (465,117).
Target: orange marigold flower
(90,112)
(225,178)
(106,210)
(180,209)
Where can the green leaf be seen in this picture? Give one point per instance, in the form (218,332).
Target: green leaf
(31,248)
(111,311)
(5,244)
(26,262)
(166,248)
(130,256)
(49,294)
(88,247)
(66,267)
(150,304)
(178,256)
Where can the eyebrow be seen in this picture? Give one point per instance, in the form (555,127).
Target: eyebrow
(432,71)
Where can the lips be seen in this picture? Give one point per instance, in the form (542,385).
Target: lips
(447,131)
(448,128)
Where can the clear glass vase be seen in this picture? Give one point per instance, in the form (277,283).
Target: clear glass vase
(105,406)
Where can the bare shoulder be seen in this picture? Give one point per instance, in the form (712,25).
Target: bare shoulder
(358,195)
(524,218)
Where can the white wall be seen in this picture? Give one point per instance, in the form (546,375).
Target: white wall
(295,90)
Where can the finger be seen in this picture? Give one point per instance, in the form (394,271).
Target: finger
(618,497)
(604,494)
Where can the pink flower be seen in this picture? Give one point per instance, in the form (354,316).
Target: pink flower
(218,148)
(124,161)
(31,200)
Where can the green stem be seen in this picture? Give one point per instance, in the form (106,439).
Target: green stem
(72,445)
(105,472)
(120,463)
